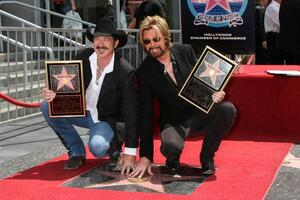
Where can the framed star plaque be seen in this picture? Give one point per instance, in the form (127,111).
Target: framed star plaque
(65,78)
(210,74)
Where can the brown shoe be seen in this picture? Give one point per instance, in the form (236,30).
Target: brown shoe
(74,162)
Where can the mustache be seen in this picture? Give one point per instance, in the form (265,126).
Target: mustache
(100,47)
(153,48)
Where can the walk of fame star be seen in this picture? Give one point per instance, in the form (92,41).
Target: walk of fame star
(213,3)
(110,179)
(212,71)
(291,161)
(64,79)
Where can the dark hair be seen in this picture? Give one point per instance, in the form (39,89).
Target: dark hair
(105,11)
(150,8)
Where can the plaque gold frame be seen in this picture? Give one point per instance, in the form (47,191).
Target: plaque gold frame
(65,78)
(210,74)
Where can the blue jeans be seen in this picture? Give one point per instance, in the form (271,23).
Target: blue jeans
(101,134)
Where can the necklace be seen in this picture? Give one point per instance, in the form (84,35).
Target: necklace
(169,70)
(98,74)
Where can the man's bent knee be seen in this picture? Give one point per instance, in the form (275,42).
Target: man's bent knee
(98,146)
(171,149)
(229,110)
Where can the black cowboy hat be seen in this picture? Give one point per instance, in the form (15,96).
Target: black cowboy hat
(106,27)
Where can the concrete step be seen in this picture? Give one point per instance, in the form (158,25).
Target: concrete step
(11,111)
(18,56)
(34,89)
(4,57)
(17,113)
(6,106)
(19,77)
(60,53)
(6,67)
(12,80)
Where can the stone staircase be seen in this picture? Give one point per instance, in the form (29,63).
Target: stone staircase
(20,84)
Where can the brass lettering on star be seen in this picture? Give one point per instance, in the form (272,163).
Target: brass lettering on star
(108,177)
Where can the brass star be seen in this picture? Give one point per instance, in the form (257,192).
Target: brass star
(212,71)
(64,79)
(154,182)
(291,161)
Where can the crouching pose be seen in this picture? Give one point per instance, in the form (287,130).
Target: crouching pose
(110,92)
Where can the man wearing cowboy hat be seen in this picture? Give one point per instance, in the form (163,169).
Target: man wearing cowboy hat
(110,93)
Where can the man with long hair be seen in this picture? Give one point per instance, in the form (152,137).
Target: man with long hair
(160,76)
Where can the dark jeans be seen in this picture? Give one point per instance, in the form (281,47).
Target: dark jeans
(215,125)
(101,134)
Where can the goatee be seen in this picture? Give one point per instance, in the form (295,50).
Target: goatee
(155,52)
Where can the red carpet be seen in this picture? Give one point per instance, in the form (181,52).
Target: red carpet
(245,171)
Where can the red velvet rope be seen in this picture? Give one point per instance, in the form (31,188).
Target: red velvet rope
(18,103)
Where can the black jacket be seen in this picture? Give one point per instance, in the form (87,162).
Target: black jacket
(153,83)
(117,99)
(260,34)
(289,17)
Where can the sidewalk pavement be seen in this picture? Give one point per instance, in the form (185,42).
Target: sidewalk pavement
(27,142)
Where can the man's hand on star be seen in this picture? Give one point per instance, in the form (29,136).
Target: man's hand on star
(127,163)
(143,166)
(218,96)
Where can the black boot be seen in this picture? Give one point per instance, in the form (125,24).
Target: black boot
(115,148)
(208,167)
(74,162)
(172,166)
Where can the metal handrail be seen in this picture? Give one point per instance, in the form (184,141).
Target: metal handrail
(21,45)
(36,26)
(48,12)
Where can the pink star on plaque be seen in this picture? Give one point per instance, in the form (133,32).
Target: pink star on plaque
(64,79)
(213,3)
(212,71)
